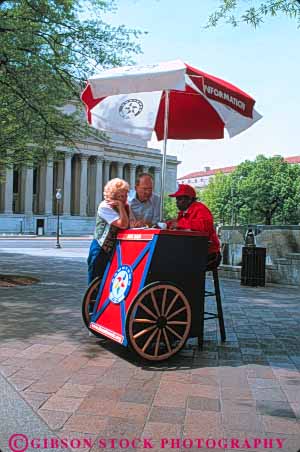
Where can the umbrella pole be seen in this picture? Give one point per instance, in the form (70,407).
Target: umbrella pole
(164,159)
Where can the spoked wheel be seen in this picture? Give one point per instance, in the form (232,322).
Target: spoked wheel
(89,301)
(159,321)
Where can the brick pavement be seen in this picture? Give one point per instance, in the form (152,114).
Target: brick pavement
(81,386)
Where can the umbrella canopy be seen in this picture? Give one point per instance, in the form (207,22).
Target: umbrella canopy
(131,100)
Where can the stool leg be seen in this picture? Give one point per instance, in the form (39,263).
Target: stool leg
(201,323)
(200,343)
(219,304)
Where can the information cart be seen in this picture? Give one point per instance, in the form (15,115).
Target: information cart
(151,297)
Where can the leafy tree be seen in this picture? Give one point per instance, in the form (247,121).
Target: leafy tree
(47,50)
(253,12)
(264,191)
(217,196)
(270,185)
(170,209)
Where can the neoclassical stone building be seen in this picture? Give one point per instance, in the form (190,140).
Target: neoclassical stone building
(27,195)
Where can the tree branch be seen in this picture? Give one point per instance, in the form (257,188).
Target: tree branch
(38,112)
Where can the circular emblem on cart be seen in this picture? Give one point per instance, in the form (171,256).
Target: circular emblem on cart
(120,284)
(131,108)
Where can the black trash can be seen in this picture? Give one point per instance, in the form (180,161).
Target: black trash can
(253,266)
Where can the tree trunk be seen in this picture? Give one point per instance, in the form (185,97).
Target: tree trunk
(268,219)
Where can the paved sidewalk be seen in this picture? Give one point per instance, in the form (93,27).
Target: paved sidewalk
(78,386)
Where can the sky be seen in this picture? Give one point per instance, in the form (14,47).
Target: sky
(264,62)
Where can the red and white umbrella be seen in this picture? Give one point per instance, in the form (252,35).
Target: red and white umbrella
(172,99)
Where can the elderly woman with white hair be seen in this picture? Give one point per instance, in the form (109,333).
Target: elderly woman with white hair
(112,215)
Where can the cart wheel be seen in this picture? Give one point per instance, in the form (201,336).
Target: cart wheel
(159,321)
(88,303)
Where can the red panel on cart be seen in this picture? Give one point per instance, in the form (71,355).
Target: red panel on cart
(111,319)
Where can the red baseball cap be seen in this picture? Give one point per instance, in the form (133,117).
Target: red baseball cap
(184,190)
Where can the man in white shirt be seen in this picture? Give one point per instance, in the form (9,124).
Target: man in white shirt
(144,204)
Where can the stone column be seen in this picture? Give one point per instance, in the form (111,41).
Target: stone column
(49,187)
(28,191)
(157,180)
(8,191)
(120,170)
(145,169)
(132,175)
(67,184)
(83,185)
(106,171)
(99,182)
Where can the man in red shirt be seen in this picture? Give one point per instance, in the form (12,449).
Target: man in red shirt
(195,216)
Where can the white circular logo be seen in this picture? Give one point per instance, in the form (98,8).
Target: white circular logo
(120,284)
(131,108)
